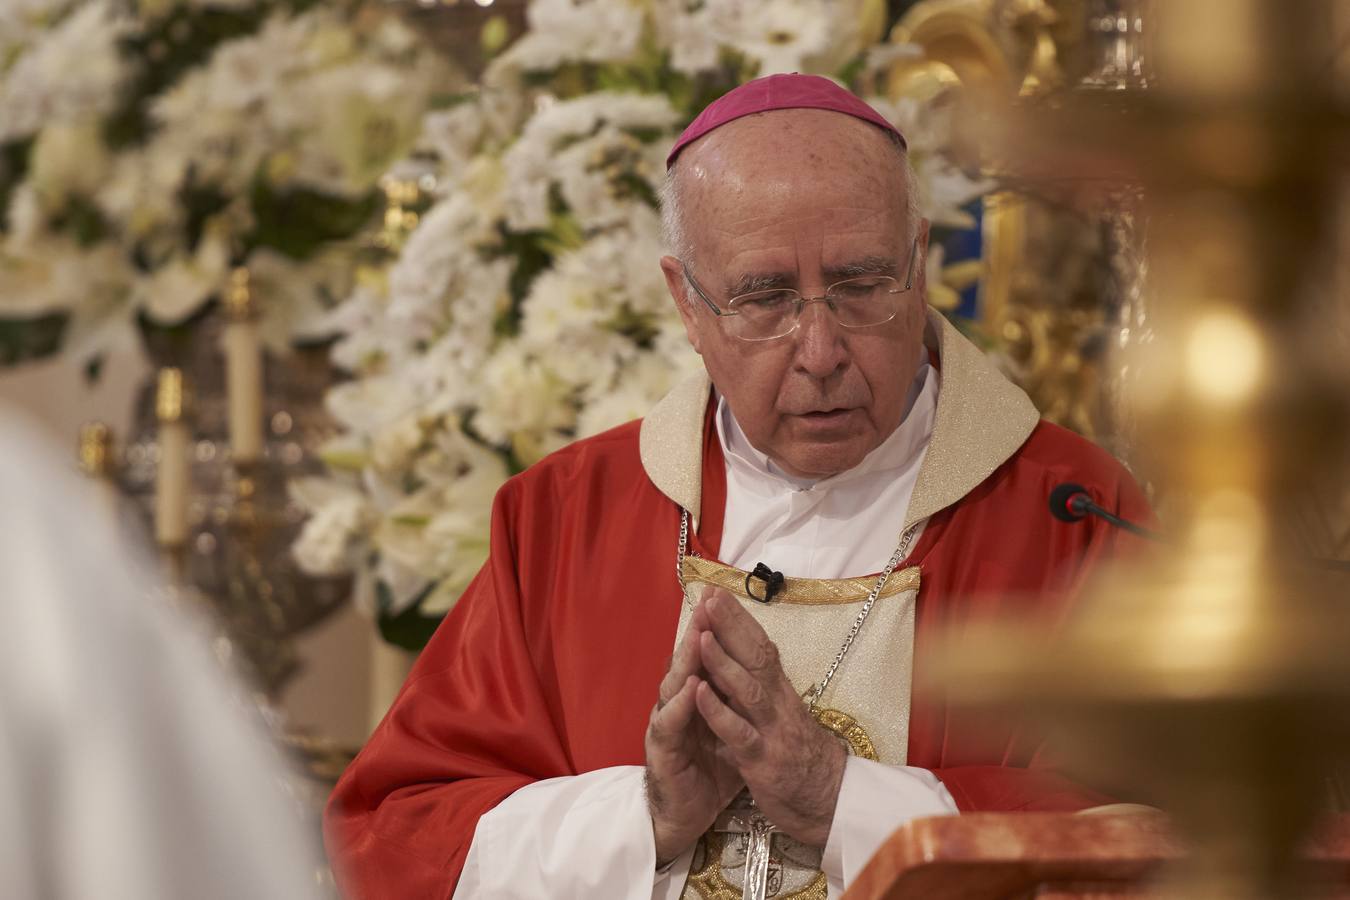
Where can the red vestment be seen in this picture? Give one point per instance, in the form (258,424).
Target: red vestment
(549,664)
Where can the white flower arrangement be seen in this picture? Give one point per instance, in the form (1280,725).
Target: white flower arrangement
(528,310)
(265,152)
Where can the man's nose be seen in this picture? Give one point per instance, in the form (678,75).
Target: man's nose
(821,349)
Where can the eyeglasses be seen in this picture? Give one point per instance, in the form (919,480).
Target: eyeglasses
(856,303)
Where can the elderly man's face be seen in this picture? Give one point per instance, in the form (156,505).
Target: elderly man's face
(801,198)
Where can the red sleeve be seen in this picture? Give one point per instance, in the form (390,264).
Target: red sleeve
(470,726)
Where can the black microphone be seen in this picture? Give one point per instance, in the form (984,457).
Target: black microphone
(1071,502)
(773,582)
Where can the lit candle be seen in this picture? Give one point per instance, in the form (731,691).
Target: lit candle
(243,371)
(171,481)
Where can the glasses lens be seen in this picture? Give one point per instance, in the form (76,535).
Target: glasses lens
(763,314)
(859,302)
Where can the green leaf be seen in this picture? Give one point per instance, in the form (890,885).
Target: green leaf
(298,222)
(409,629)
(849,73)
(412,521)
(83,220)
(22,340)
(13,168)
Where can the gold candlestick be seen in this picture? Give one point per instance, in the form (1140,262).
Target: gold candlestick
(96,460)
(1214,681)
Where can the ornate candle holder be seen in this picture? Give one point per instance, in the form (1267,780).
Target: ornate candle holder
(1213,679)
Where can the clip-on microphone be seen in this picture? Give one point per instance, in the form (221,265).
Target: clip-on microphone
(773,582)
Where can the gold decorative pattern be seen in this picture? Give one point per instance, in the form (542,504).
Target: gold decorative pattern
(806,591)
(170,396)
(847,728)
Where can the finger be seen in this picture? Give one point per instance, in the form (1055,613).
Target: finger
(741,690)
(738,734)
(686,660)
(699,618)
(742,637)
(669,720)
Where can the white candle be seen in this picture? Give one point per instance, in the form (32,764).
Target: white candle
(171,478)
(243,371)
(171,485)
(243,378)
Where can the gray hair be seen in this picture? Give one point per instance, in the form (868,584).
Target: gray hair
(672,213)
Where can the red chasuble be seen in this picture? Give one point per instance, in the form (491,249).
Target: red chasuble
(549,664)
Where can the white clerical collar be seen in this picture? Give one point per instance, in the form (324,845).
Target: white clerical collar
(905,443)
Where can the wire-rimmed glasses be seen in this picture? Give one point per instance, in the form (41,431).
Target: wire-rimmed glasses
(859,302)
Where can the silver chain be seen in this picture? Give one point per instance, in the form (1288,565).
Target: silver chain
(684,546)
(897,557)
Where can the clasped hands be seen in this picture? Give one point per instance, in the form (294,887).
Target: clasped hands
(727,717)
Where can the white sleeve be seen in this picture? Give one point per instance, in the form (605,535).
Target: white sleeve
(874,800)
(578,836)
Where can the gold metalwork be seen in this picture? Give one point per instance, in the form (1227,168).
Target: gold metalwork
(848,729)
(1040,297)
(240,305)
(1214,681)
(804,591)
(404,198)
(96,453)
(170,396)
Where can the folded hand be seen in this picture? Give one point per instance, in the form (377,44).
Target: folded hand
(690,777)
(791,764)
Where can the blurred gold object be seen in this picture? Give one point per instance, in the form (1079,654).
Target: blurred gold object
(96,450)
(240,305)
(405,196)
(169,396)
(1215,679)
(1040,296)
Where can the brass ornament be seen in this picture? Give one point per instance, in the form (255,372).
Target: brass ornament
(848,730)
(1211,679)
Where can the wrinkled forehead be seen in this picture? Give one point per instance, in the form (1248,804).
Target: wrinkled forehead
(841,219)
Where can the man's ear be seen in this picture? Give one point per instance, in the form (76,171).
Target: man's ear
(679,292)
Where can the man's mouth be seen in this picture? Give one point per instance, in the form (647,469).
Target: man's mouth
(827,416)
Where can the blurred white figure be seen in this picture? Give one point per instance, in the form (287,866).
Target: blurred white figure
(129,767)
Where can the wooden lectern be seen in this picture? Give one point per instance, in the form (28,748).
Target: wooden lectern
(1053,856)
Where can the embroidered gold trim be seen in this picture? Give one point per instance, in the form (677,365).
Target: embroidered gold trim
(808,591)
(847,727)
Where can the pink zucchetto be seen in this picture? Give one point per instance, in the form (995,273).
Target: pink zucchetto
(779,92)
